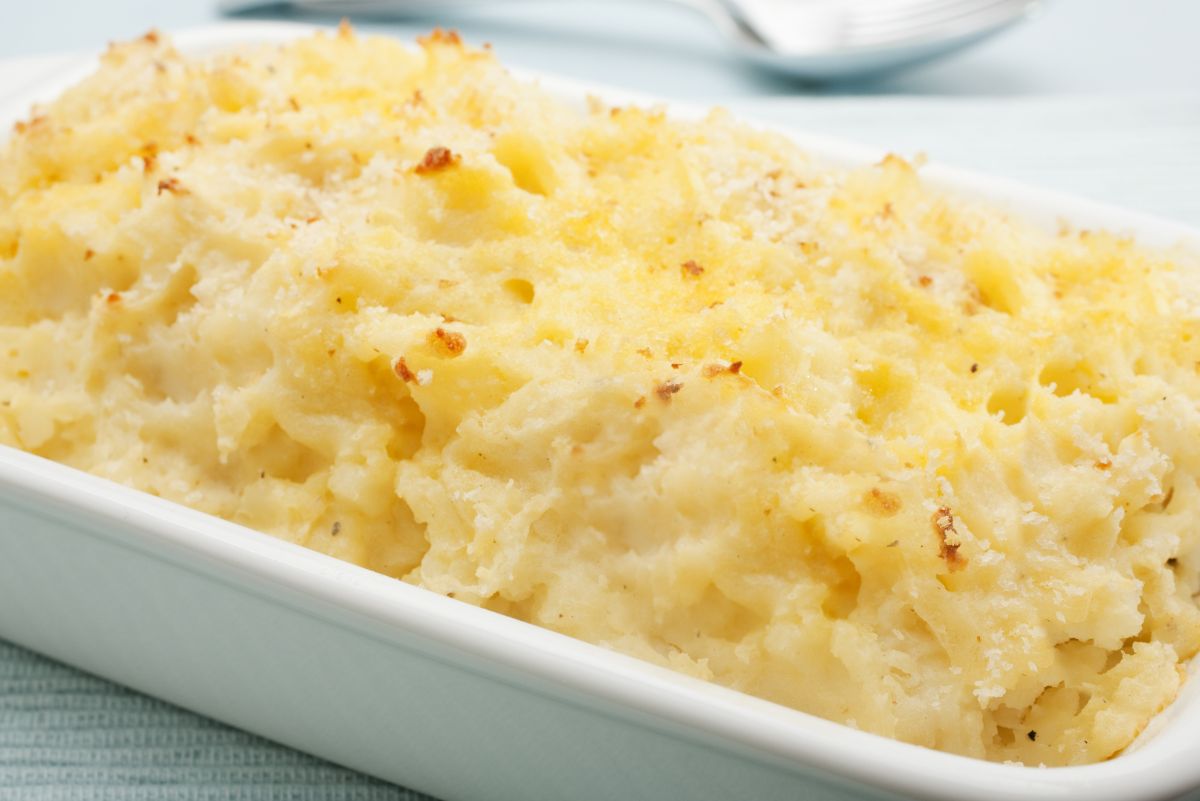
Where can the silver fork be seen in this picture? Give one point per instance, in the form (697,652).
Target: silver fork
(807,38)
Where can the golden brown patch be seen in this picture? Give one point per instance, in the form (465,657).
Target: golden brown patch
(1103,464)
(88,254)
(640,402)
(438,36)
(400,367)
(581,345)
(149,154)
(36,120)
(665,390)
(345,29)
(881,502)
(437,159)
(691,268)
(171,185)
(716,369)
(924,280)
(948,540)
(448,343)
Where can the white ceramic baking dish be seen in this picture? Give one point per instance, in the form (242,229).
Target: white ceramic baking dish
(447,698)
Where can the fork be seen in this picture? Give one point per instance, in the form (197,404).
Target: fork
(806,38)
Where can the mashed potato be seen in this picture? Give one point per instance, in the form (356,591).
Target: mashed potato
(675,388)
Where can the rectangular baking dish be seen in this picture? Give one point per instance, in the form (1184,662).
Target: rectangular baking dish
(446,698)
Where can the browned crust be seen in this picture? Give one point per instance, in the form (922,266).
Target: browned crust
(716,369)
(171,185)
(882,503)
(665,390)
(437,159)
(440,36)
(948,540)
(449,343)
(400,367)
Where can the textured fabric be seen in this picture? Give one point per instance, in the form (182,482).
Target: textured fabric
(68,736)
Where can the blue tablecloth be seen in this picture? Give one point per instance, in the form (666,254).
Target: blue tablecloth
(68,736)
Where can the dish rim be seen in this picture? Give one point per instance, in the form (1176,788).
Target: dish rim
(1160,766)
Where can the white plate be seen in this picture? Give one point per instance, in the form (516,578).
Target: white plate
(447,698)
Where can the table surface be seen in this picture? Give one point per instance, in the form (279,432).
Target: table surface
(1096,97)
